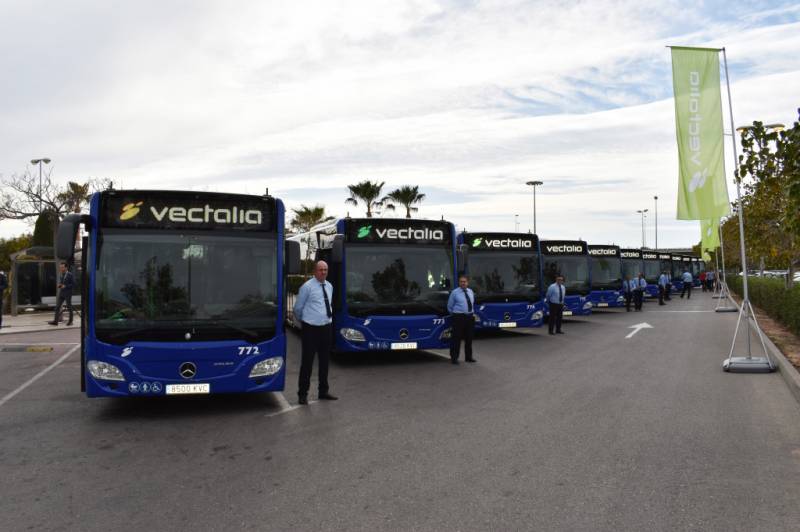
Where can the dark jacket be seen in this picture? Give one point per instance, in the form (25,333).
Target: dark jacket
(67,281)
(3,282)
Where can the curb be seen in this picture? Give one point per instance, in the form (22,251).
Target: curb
(785,368)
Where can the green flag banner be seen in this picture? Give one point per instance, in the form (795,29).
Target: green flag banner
(702,189)
(709,235)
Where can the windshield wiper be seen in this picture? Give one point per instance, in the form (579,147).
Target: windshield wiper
(252,334)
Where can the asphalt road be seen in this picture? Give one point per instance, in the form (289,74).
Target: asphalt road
(586,431)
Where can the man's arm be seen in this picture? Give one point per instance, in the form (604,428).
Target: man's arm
(300,302)
(451,302)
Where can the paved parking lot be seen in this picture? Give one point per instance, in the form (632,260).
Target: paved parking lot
(589,431)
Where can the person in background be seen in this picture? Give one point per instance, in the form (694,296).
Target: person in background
(65,284)
(3,286)
(710,279)
(460,305)
(313,310)
(663,287)
(687,279)
(629,287)
(703,277)
(639,293)
(555,300)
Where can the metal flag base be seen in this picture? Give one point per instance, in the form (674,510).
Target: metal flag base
(749,363)
(723,305)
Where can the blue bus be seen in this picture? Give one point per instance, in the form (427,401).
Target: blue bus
(505,273)
(182,292)
(652,268)
(677,271)
(569,258)
(631,262)
(606,265)
(391,281)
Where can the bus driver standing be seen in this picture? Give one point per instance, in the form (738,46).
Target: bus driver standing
(461,305)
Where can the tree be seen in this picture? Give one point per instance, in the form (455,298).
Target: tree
(75,196)
(406,196)
(767,171)
(368,193)
(304,219)
(44,230)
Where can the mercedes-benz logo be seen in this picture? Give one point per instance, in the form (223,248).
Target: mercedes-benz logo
(187,370)
(403,334)
(507,316)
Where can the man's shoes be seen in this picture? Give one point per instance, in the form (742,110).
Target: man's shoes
(302,400)
(52,323)
(560,332)
(470,360)
(551,333)
(69,323)
(454,361)
(327,397)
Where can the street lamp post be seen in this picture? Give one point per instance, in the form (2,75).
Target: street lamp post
(656,200)
(44,160)
(642,212)
(516,223)
(534,184)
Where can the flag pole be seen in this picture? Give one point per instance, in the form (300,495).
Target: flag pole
(724,294)
(749,363)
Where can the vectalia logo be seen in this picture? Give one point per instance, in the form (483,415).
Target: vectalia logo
(364,231)
(411,234)
(130,210)
(509,243)
(476,242)
(208,214)
(602,252)
(565,248)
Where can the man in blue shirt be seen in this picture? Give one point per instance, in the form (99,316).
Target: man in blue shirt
(461,305)
(638,295)
(663,287)
(710,278)
(629,287)
(313,310)
(687,284)
(65,284)
(556,293)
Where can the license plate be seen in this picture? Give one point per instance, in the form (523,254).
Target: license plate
(185,389)
(602,304)
(507,324)
(567,313)
(404,345)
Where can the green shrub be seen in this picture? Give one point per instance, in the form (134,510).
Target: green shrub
(772,297)
(294,282)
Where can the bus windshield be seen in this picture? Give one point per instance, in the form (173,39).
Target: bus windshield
(652,271)
(504,276)
(163,286)
(631,267)
(395,280)
(606,273)
(574,269)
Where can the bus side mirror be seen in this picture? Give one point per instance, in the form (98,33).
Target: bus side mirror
(461,259)
(292,257)
(337,249)
(67,233)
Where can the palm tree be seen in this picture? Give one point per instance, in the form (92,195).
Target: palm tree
(304,219)
(74,196)
(367,192)
(407,196)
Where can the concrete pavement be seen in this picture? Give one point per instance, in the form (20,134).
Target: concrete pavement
(587,431)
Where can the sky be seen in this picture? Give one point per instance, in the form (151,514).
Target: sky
(466,99)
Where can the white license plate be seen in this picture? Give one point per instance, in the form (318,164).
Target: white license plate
(567,313)
(404,345)
(507,324)
(185,389)
(602,304)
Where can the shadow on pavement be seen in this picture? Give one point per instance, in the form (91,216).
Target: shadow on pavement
(160,407)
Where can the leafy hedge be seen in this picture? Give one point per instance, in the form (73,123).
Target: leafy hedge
(293,283)
(772,296)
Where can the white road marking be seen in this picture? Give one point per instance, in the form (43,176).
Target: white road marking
(38,376)
(682,311)
(286,406)
(638,327)
(34,344)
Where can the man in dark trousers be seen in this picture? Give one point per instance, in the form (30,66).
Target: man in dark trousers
(3,286)
(638,295)
(555,300)
(461,305)
(65,284)
(313,310)
(628,287)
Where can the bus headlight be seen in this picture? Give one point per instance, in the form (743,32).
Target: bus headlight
(587,305)
(621,299)
(446,334)
(104,371)
(538,315)
(267,367)
(352,335)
